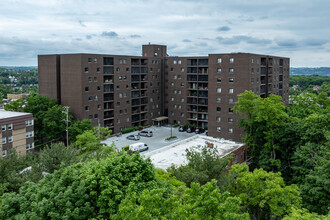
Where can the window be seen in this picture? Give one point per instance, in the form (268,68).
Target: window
(231,60)
(252,80)
(252,60)
(98,88)
(117,69)
(120,77)
(172,69)
(230,130)
(89,60)
(95,98)
(86,69)
(174,61)
(218,119)
(86,89)
(90,98)
(29,134)
(118,121)
(118,103)
(120,95)
(231,90)
(3,127)
(10,127)
(99,106)
(90,116)
(218,129)
(218,109)
(182,69)
(96,115)
(4,153)
(218,100)
(29,146)
(86,108)
(236,158)
(174,91)
(219,70)
(219,60)
(151,99)
(174,106)
(174,77)
(98,69)
(218,90)
(90,79)
(172,83)
(179,76)
(231,70)
(179,61)
(4,140)
(182,84)
(127,119)
(179,106)
(230,110)
(252,70)
(179,91)
(95,60)
(230,120)
(125,77)
(230,100)
(231,80)
(95,79)
(218,79)
(182,99)
(172,99)
(29,122)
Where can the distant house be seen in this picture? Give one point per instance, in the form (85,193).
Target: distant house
(16,132)
(295,87)
(316,87)
(15,96)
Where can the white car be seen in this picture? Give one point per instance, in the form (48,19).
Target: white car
(138,147)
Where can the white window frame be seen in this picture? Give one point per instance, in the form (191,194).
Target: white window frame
(10,127)
(4,140)
(10,139)
(218,90)
(3,127)
(231,90)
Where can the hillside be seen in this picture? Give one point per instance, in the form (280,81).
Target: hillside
(321,71)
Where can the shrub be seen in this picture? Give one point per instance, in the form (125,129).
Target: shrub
(125,148)
(175,125)
(128,130)
(170,138)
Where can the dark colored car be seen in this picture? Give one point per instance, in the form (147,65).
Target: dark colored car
(146,133)
(199,130)
(183,128)
(133,137)
(190,129)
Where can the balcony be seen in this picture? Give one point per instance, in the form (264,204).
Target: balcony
(144,101)
(135,102)
(203,102)
(192,101)
(263,61)
(203,62)
(135,118)
(192,78)
(108,105)
(263,71)
(262,89)
(192,94)
(108,97)
(135,78)
(135,70)
(108,115)
(108,70)
(144,62)
(202,109)
(107,60)
(203,70)
(203,78)
(192,70)
(203,94)
(192,62)
(135,62)
(108,88)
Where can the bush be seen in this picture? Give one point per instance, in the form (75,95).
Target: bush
(170,138)
(128,130)
(175,125)
(125,148)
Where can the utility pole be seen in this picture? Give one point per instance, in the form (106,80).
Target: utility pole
(67,123)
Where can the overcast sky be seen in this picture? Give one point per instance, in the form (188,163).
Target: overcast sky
(299,29)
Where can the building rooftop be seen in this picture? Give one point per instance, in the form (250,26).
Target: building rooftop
(8,114)
(176,153)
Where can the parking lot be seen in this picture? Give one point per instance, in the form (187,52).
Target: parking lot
(155,142)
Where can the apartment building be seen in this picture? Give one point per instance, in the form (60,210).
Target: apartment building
(124,91)
(16,132)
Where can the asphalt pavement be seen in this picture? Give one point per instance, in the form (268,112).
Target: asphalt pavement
(155,142)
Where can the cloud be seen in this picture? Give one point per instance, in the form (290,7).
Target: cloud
(135,36)
(110,34)
(314,42)
(88,37)
(223,28)
(242,38)
(290,43)
(186,40)
(81,23)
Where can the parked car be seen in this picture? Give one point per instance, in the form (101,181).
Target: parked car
(199,130)
(182,128)
(190,129)
(138,147)
(146,133)
(133,137)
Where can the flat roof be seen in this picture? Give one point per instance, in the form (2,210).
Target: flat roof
(9,114)
(176,153)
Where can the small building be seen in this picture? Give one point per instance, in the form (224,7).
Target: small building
(176,153)
(16,132)
(15,96)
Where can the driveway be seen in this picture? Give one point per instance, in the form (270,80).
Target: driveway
(155,142)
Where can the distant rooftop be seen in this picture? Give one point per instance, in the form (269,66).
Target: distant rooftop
(8,114)
(176,153)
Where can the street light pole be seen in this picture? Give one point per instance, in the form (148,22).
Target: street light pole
(67,124)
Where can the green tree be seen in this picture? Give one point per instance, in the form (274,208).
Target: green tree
(90,140)
(81,191)
(264,194)
(56,156)
(17,105)
(78,127)
(197,202)
(202,167)
(303,214)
